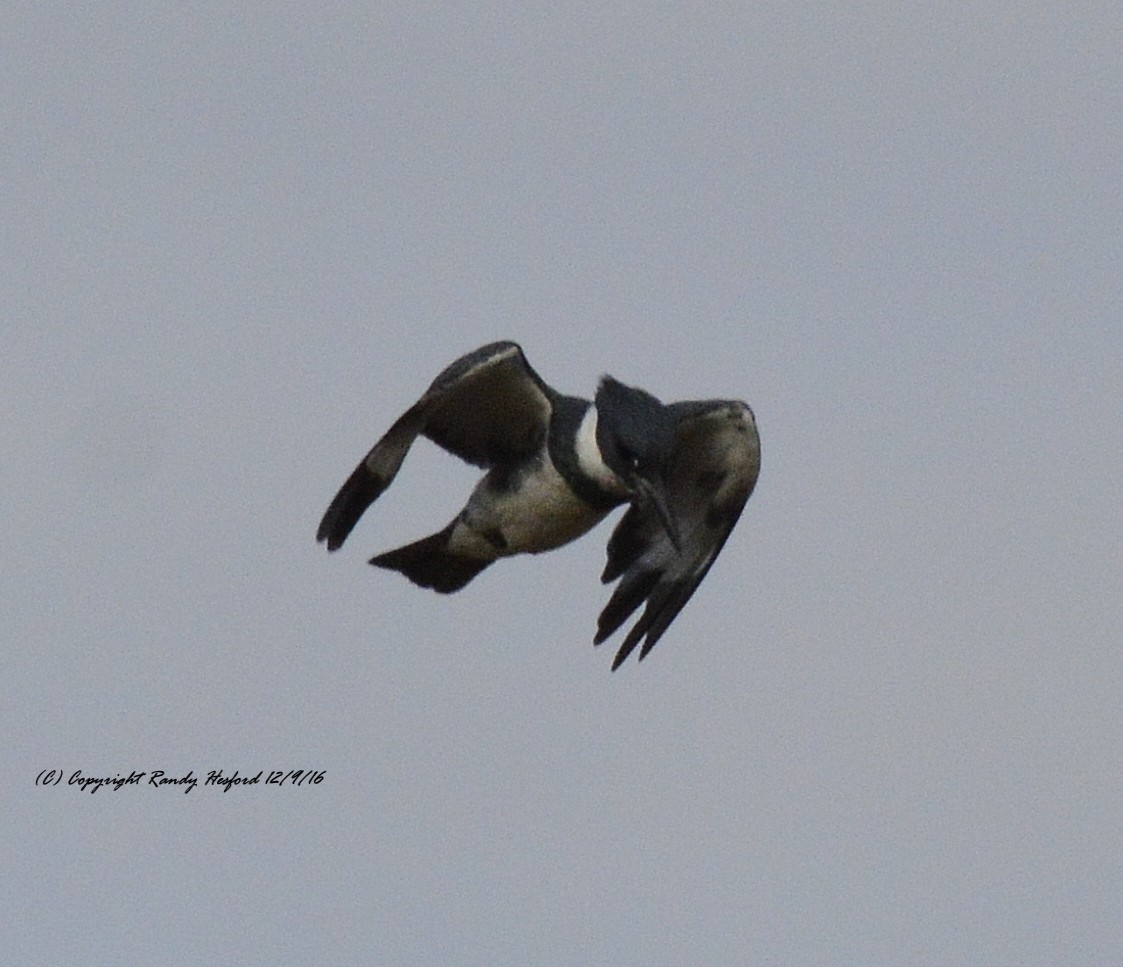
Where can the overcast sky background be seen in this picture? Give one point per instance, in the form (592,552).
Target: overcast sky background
(237,241)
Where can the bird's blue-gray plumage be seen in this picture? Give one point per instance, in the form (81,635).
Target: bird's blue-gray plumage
(556,465)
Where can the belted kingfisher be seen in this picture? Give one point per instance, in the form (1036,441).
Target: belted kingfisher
(556,465)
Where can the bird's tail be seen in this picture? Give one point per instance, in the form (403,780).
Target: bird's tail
(430,564)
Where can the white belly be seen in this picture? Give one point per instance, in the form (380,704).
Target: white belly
(539,514)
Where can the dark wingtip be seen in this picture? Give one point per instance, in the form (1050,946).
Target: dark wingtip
(323,532)
(332,544)
(601,636)
(625,650)
(355,496)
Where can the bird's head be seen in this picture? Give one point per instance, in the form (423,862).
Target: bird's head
(635,435)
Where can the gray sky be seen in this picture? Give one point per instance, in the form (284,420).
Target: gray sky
(238,241)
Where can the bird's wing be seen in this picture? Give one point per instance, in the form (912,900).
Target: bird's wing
(486,407)
(712,469)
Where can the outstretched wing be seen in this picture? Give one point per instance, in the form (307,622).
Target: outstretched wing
(487,407)
(712,469)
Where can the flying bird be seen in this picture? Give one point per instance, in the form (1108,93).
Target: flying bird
(556,466)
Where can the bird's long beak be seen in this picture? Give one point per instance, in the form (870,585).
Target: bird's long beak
(655,493)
